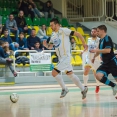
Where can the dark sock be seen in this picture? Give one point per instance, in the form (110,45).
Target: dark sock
(106,81)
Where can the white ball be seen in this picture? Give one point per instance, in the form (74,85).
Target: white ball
(14,97)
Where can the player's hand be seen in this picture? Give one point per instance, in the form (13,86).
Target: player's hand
(93,60)
(85,47)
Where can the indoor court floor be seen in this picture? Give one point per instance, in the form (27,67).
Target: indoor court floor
(45,102)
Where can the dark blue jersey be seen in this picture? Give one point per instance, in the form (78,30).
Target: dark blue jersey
(106,42)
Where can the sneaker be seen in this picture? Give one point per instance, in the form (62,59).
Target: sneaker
(114,90)
(97,89)
(64,92)
(84,93)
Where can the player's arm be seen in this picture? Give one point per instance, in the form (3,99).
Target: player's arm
(47,45)
(96,54)
(103,51)
(81,38)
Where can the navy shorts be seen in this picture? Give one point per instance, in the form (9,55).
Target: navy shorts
(109,68)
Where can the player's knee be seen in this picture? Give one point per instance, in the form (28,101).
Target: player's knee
(54,73)
(99,76)
(86,71)
(71,76)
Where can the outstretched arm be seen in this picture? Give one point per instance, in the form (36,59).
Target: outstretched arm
(48,46)
(82,39)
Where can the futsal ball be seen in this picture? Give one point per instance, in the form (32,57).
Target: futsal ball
(14,97)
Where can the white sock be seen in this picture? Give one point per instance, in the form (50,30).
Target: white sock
(76,80)
(85,79)
(97,82)
(60,81)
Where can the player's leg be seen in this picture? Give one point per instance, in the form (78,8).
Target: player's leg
(97,82)
(77,82)
(86,75)
(94,68)
(102,76)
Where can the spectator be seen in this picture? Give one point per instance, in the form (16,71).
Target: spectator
(24,6)
(7,38)
(38,47)
(32,39)
(74,46)
(33,7)
(42,33)
(7,50)
(21,23)
(73,43)
(22,42)
(11,25)
(48,9)
(4,60)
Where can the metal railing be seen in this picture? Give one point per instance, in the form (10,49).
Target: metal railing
(44,51)
(83,9)
(91,9)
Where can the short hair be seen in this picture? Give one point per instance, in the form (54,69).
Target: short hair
(95,28)
(102,27)
(11,14)
(55,20)
(5,30)
(21,33)
(37,42)
(33,29)
(1,42)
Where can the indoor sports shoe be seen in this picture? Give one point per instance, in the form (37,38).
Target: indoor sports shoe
(84,93)
(64,92)
(97,89)
(114,90)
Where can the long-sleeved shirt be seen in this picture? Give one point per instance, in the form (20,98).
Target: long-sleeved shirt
(7,39)
(3,54)
(21,22)
(11,24)
(41,33)
(22,43)
(32,40)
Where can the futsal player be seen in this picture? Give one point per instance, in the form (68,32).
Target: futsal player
(93,42)
(61,42)
(109,60)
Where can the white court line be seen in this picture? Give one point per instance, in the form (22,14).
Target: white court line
(41,86)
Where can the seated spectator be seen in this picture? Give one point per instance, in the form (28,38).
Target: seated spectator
(32,39)
(4,58)
(73,43)
(21,23)
(22,41)
(7,38)
(7,50)
(33,7)
(23,5)
(11,25)
(48,9)
(74,46)
(42,33)
(38,47)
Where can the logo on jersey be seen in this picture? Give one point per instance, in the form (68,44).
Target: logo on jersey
(56,42)
(91,47)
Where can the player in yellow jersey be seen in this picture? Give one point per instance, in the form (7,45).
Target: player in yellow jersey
(61,42)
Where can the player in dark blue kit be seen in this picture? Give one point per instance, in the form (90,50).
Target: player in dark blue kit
(109,61)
